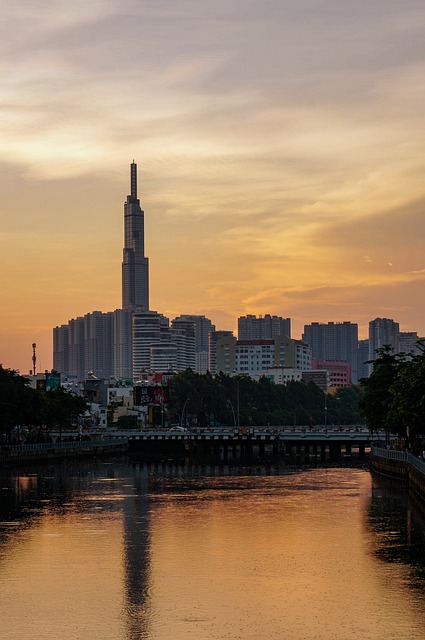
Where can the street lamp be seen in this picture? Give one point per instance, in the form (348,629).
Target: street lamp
(182,421)
(238,381)
(233,412)
(326,409)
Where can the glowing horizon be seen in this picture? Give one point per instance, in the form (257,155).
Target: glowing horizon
(279,151)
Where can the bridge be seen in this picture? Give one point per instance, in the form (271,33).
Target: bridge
(227,444)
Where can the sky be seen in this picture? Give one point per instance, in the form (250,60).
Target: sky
(280,151)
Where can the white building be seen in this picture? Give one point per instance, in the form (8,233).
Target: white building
(149,327)
(250,357)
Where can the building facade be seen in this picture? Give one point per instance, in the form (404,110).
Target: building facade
(135,265)
(334,341)
(339,373)
(362,359)
(202,328)
(149,328)
(382,331)
(85,345)
(251,357)
(213,339)
(263,328)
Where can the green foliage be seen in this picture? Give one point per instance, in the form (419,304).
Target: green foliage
(22,405)
(394,397)
(407,409)
(377,398)
(221,399)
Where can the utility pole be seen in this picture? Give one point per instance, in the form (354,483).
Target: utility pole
(34,358)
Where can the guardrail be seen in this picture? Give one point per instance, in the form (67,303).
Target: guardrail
(16,449)
(389,454)
(402,456)
(416,462)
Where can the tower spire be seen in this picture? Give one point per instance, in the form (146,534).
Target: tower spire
(133,180)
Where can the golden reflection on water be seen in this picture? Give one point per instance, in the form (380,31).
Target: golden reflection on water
(145,556)
(281,558)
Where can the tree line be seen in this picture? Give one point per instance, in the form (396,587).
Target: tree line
(242,401)
(39,411)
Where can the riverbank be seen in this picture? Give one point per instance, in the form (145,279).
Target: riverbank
(401,465)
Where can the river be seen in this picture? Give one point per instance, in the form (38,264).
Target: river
(128,551)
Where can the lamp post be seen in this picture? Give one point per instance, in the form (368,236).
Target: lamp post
(238,381)
(182,421)
(326,410)
(237,400)
(233,412)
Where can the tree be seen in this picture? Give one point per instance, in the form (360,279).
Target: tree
(15,399)
(407,408)
(22,405)
(376,402)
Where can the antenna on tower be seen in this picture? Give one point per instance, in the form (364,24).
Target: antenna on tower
(34,358)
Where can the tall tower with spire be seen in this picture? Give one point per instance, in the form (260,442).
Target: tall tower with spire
(135,265)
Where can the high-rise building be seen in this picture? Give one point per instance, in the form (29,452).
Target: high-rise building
(149,328)
(61,348)
(135,266)
(362,359)
(407,342)
(334,341)
(213,339)
(123,344)
(76,367)
(98,344)
(85,345)
(183,335)
(382,331)
(263,328)
(203,327)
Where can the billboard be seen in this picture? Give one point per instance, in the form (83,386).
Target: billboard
(146,395)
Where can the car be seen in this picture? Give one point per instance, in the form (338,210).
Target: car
(179,429)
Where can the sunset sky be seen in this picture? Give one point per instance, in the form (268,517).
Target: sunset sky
(280,150)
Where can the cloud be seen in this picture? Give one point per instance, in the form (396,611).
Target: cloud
(280,153)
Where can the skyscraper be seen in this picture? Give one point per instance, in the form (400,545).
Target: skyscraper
(135,266)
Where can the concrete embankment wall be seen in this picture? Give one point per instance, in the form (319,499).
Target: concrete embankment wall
(417,482)
(401,465)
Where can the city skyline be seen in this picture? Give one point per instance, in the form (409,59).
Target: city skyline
(279,152)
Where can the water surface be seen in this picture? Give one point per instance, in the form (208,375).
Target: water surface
(132,551)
